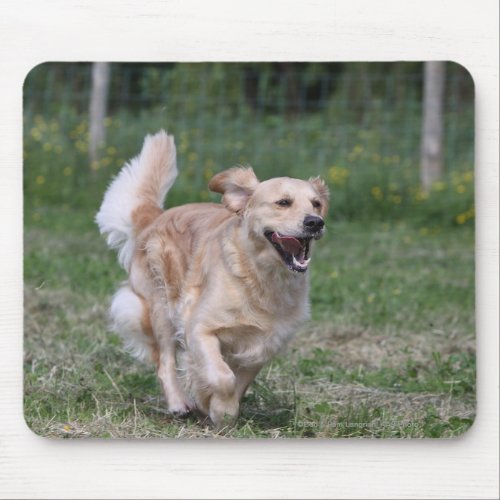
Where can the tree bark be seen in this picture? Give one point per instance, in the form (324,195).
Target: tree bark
(431,163)
(98,106)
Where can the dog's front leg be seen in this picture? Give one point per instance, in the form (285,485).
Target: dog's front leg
(215,385)
(244,377)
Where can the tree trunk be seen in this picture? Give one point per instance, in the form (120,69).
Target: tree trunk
(431,163)
(97,111)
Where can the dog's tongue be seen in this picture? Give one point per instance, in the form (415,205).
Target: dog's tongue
(289,243)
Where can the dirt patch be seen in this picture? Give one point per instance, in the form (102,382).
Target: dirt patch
(356,346)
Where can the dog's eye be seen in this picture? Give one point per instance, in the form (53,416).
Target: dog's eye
(284,202)
(316,204)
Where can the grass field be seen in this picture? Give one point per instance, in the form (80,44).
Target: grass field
(389,352)
(390,348)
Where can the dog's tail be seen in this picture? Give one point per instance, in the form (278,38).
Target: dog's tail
(135,197)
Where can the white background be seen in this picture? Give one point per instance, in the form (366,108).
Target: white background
(152,30)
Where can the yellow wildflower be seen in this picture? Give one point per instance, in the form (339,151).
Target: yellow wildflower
(468,176)
(421,195)
(338,175)
(81,146)
(36,134)
(439,186)
(377,193)
(80,128)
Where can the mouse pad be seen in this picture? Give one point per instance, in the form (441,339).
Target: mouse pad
(249,250)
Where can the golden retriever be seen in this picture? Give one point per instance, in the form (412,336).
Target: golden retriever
(214,291)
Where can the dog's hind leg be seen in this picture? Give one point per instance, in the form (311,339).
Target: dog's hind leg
(178,402)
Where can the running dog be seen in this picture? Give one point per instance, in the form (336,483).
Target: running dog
(214,291)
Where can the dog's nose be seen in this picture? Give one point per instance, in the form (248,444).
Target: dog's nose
(313,222)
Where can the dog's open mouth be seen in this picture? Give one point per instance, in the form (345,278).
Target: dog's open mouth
(294,251)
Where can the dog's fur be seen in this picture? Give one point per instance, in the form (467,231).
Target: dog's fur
(214,290)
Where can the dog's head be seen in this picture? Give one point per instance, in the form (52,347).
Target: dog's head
(282,214)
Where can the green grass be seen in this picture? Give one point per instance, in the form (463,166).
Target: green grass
(389,352)
(367,179)
(390,349)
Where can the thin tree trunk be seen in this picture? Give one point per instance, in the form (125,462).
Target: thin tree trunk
(97,111)
(431,163)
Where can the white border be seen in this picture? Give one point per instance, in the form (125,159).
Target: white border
(184,30)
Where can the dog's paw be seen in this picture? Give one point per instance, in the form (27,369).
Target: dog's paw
(223,411)
(181,408)
(185,413)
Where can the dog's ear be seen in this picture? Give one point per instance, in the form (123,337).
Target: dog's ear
(236,185)
(321,188)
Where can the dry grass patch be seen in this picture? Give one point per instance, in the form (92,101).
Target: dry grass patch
(371,363)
